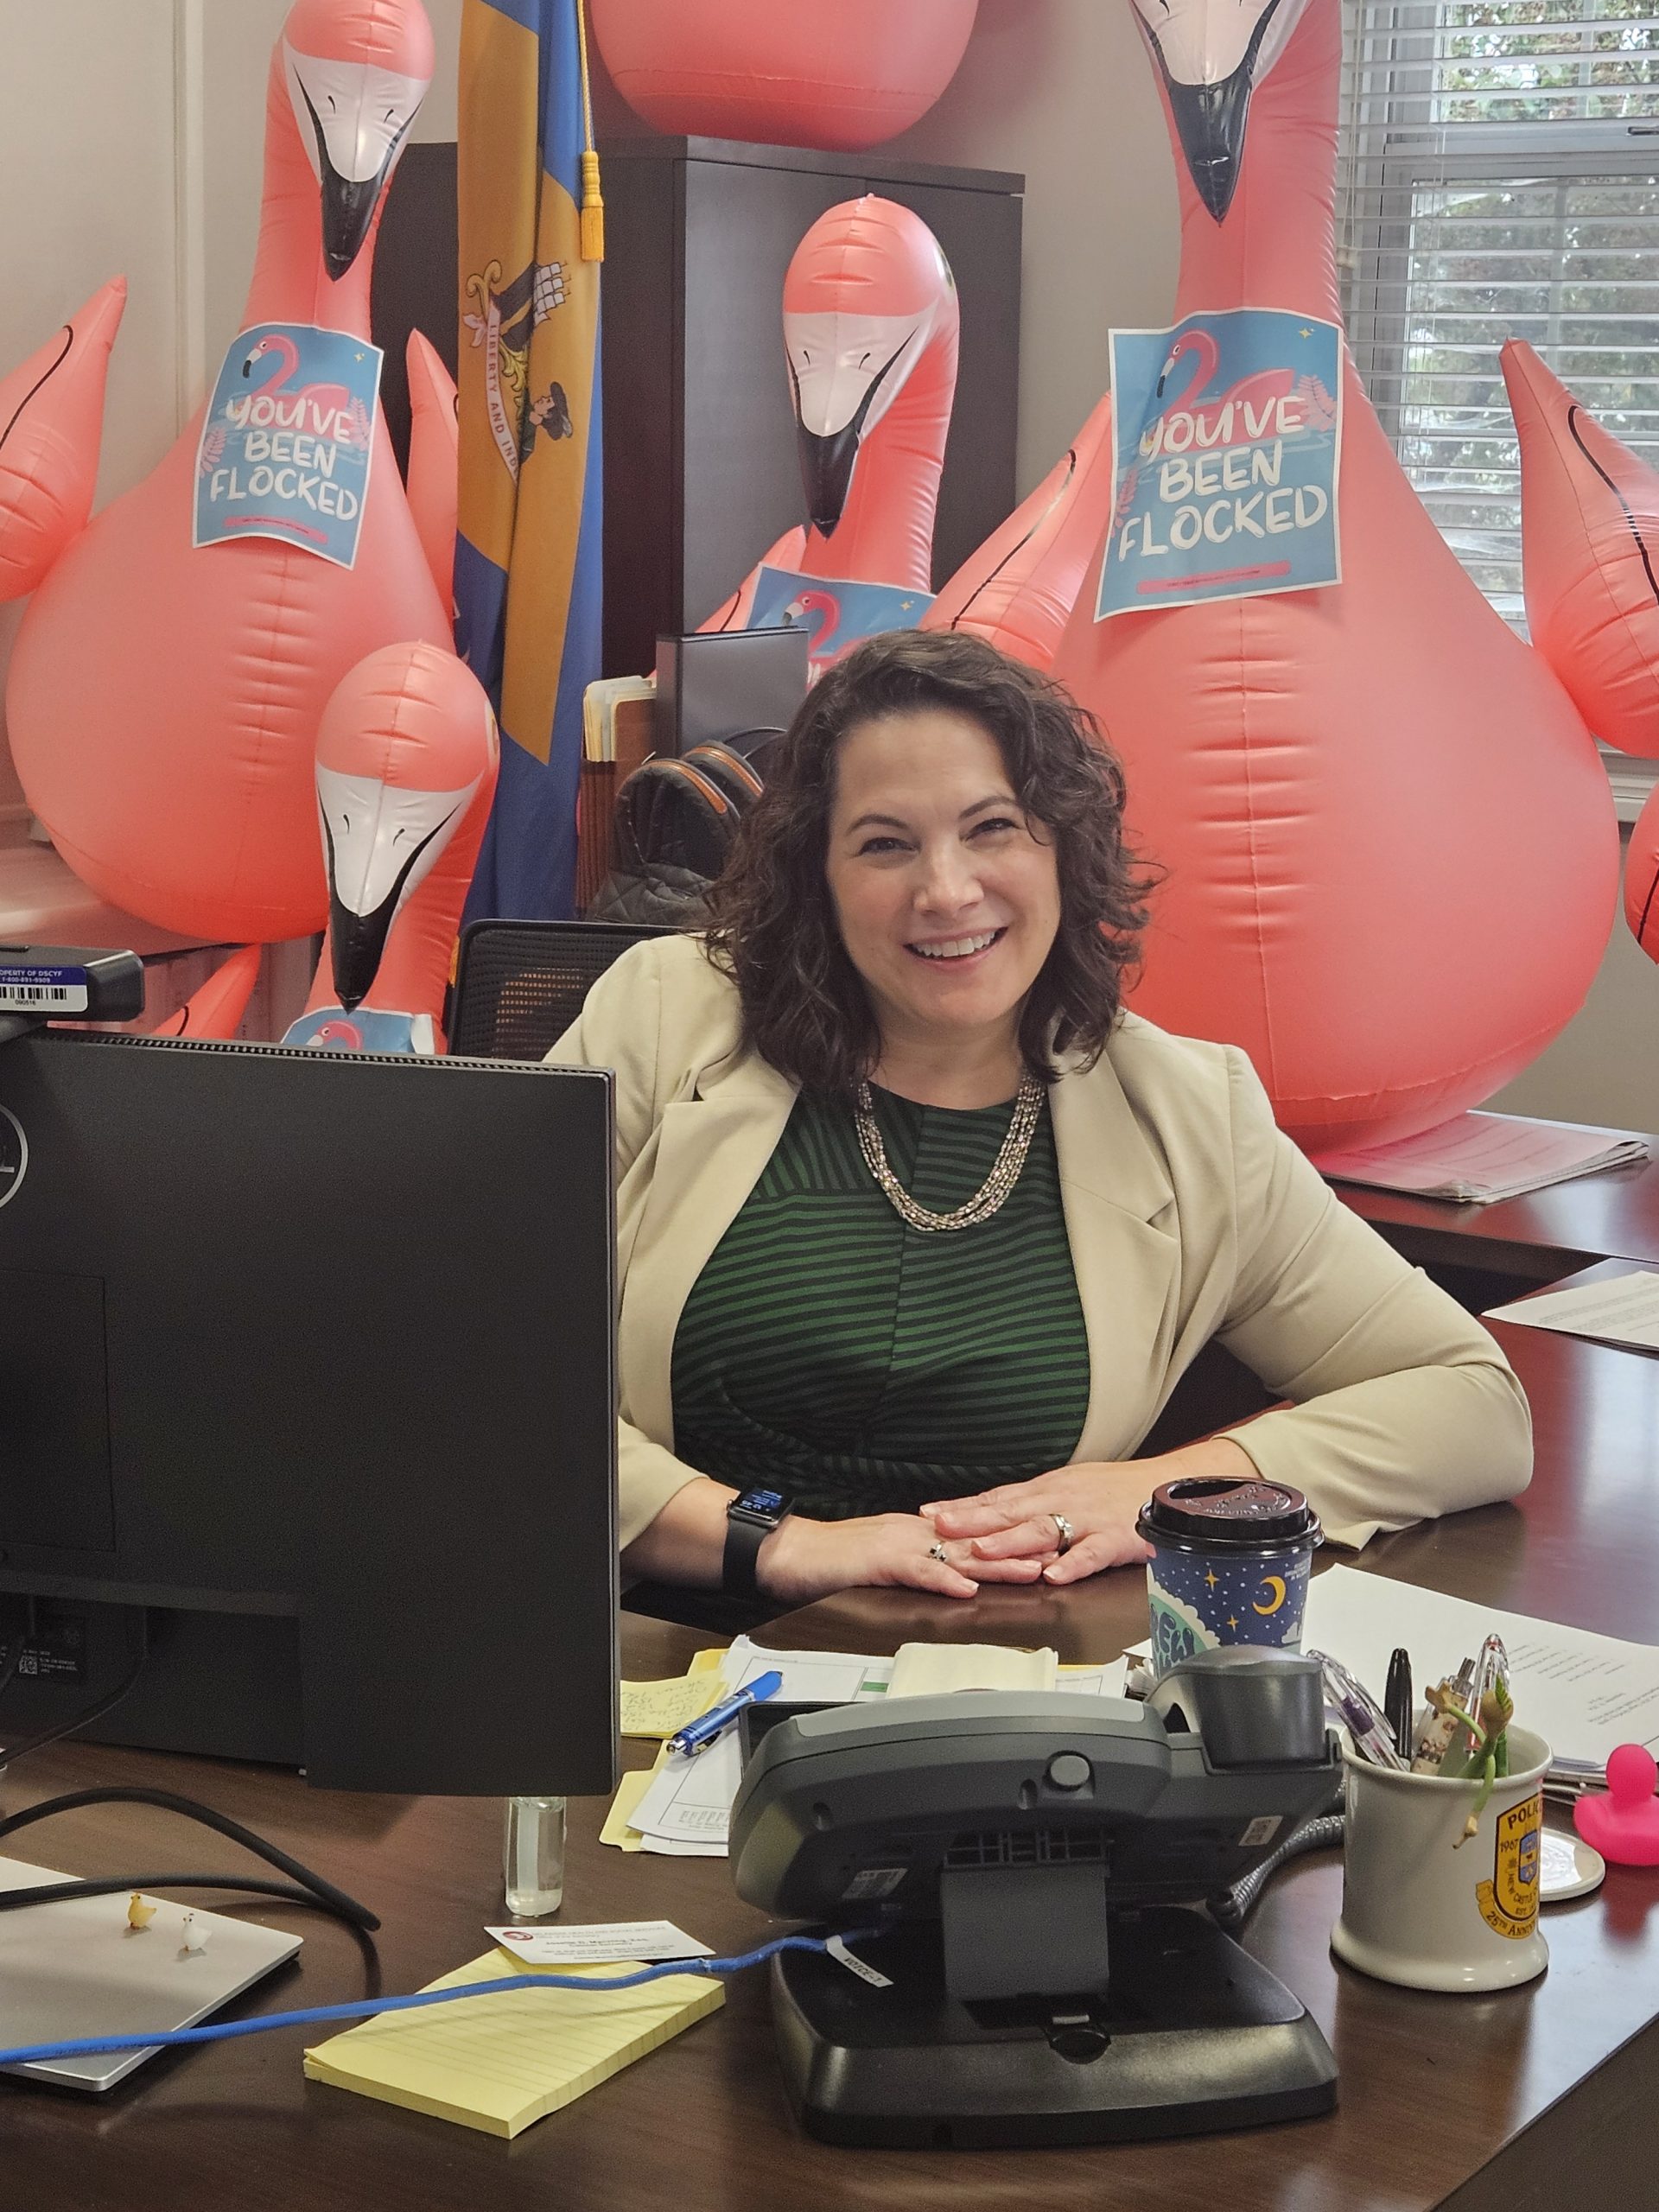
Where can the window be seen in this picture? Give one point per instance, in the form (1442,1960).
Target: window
(1500,178)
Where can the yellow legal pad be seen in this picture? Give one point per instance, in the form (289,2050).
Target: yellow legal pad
(500,2063)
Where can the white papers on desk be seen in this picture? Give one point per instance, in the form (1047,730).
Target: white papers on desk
(1623,1310)
(1586,1694)
(1479,1158)
(939,1669)
(686,1812)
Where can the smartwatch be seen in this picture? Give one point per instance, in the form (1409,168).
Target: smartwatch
(750,1519)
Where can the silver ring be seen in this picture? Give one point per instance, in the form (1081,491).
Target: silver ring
(1068,1534)
(936,1550)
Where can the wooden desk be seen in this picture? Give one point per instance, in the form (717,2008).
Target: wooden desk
(1465,2103)
(1611,1216)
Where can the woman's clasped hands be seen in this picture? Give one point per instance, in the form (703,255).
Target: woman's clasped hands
(1073,1522)
(1065,1525)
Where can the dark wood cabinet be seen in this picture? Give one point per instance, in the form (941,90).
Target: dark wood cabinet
(701,474)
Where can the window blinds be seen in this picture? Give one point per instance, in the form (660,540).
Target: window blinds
(1500,178)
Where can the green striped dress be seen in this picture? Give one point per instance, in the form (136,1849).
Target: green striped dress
(865,1366)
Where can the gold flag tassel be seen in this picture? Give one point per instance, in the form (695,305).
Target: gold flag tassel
(593,201)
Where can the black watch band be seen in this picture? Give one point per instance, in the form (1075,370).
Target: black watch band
(750,1519)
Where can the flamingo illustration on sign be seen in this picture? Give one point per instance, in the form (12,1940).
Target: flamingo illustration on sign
(324,410)
(823,610)
(1251,405)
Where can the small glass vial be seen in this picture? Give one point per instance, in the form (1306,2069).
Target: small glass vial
(534,1857)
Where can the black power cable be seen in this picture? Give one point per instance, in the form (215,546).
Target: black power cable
(98,1708)
(305,1888)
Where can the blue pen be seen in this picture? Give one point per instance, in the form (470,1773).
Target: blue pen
(698,1734)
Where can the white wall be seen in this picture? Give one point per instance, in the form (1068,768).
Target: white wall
(86,123)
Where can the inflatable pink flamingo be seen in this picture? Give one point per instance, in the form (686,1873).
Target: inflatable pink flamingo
(1590,555)
(870,334)
(1018,590)
(434,463)
(1590,561)
(164,699)
(1642,878)
(406,765)
(51,409)
(1391,853)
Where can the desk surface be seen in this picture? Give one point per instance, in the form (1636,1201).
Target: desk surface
(1611,1216)
(1469,2103)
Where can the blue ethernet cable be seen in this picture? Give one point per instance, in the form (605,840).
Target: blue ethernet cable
(365,2007)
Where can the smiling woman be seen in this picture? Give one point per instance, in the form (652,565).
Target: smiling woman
(918,1229)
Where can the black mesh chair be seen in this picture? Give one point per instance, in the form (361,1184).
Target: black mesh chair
(520,985)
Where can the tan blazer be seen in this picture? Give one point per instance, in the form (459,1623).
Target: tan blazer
(1189,1216)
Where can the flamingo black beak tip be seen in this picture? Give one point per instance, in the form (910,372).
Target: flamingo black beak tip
(1210,122)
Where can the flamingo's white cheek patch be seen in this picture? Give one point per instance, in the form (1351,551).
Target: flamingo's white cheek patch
(835,358)
(356,113)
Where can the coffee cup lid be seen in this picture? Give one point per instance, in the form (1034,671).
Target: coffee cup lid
(1227,1510)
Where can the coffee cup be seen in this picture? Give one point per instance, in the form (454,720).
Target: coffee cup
(1230,1563)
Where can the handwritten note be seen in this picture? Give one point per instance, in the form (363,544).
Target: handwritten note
(657,1709)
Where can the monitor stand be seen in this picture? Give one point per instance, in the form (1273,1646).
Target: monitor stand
(1192,2035)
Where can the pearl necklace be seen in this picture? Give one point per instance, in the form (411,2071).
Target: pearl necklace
(991,1194)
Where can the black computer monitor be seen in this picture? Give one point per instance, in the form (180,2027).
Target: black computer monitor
(311,1357)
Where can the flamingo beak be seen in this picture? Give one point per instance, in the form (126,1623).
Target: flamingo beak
(1211,54)
(380,841)
(352,120)
(1209,120)
(829,458)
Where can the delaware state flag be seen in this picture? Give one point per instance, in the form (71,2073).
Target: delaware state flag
(528,549)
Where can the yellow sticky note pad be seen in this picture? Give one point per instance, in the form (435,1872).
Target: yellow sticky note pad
(629,1791)
(500,2063)
(657,1709)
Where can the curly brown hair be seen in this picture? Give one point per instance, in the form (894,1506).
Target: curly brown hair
(772,921)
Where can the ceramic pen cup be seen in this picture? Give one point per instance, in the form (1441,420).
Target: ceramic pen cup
(1420,1908)
(1231,1555)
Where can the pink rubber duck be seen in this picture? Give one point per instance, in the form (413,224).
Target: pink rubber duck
(1623,1825)
(1392,856)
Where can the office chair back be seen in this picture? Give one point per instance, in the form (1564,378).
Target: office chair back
(520,985)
